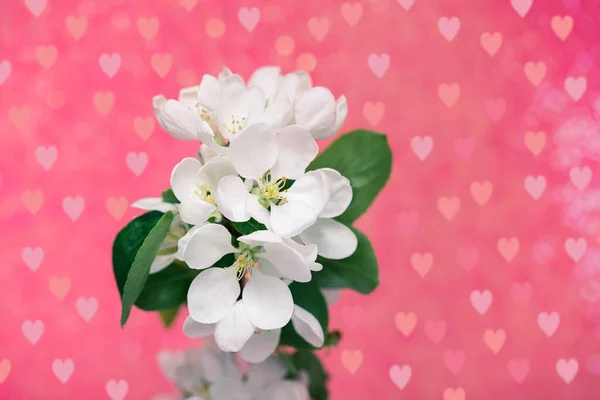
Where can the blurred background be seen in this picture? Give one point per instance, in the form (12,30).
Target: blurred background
(487,233)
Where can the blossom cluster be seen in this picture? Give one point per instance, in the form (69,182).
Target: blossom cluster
(252,170)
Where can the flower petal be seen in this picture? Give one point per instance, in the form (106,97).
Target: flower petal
(291,218)
(260,375)
(308,327)
(180,121)
(207,136)
(257,211)
(187,96)
(212,294)
(313,189)
(341,194)
(287,390)
(184,178)
(268,301)
(215,169)
(267,268)
(316,111)
(229,389)
(194,330)
(206,246)
(160,263)
(288,261)
(267,79)
(231,199)
(260,346)
(154,204)
(293,86)
(279,113)
(254,151)
(208,92)
(195,211)
(258,238)
(234,330)
(225,73)
(158,102)
(334,240)
(184,241)
(297,148)
(341,106)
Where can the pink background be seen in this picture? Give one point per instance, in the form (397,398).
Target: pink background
(486,233)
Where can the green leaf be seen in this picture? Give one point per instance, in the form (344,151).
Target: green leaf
(365,158)
(333,339)
(308,361)
(138,273)
(246,228)
(169,316)
(169,197)
(308,296)
(358,272)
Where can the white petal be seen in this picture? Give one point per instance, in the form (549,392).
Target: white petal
(207,136)
(313,189)
(187,96)
(341,113)
(215,364)
(180,121)
(184,241)
(257,211)
(288,261)
(297,148)
(215,169)
(225,73)
(334,240)
(208,92)
(184,179)
(287,390)
(258,238)
(160,263)
(195,211)
(316,111)
(194,330)
(207,245)
(291,218)
(255,102)
(212,294)
(279,113)
(154,204)
(234,330)
(267,268)
(308,252)
(308,327)
(293,86)
(341,194)
(260,346)
(231,199)
(254,151)
(260,375)
(158,102)
(206,153)
(229,389)
(268,301)
(267,79)
(233,106)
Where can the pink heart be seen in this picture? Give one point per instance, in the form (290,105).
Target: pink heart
(481,300)
(576,248)
(518,369)
(32,257)
(495,108)
(421,146)
(73,206)
(455,360)
(548,323)
(467,256)
(400,375)
(117,390)
(32,330)
(249,18)
(535,186)
(581,177)
(567,369)
(449,27)
(5,68)
(522,7)
(576,87)
(379,64)
(110,64)
(46,156)
(36,6)
(435,330)
(137,162)
(406,4)
(63,369)
(86,307)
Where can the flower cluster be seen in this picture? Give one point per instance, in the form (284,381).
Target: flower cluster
(252,171)
(209,374)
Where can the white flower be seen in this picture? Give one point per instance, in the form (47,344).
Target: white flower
(267,159)
(266,304)
(168,250)
(314,108)
(195,184)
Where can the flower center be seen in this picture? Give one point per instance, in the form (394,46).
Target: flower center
(235,126)
(245,262)
(204,191)
(272,190)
